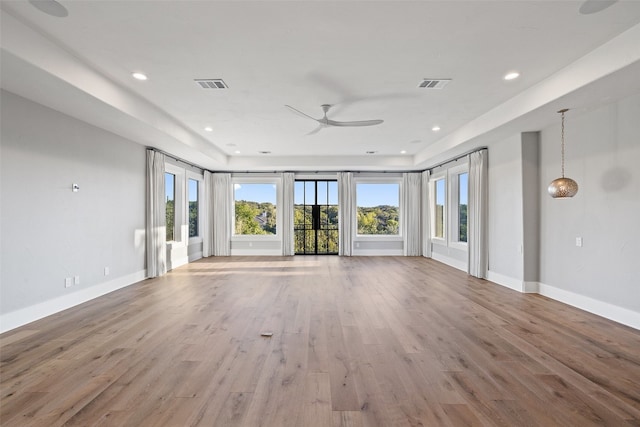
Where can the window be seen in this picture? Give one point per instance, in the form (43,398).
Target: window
(439,210)
(378,208)
(170,196)
(463,200)
(449,206)
(193,208)
(255,208)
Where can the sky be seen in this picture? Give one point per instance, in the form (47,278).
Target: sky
(261,193)
(464,189)
(169,183)
(368,195)
(371,195)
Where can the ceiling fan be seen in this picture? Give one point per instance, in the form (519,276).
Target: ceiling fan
(325,121)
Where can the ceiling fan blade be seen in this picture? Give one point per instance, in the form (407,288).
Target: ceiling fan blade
(316,130)
(300,113)
(356,123)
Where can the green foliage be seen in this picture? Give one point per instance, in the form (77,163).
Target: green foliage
(253,218)
(193,219)
(439,232)
(170,219)
(462,236)
(378,220)
(326,236)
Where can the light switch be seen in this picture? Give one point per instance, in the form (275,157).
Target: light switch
(579,242)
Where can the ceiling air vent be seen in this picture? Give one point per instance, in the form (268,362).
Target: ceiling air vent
(211,83)
(434,83)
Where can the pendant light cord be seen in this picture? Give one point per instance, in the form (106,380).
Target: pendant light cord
(562,140)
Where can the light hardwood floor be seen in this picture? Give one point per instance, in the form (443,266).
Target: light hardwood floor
(365,341)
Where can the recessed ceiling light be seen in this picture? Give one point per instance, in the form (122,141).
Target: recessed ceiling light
(237,151)
(435,128)
(209,129)
(139,76)
(403,152)
(512,75)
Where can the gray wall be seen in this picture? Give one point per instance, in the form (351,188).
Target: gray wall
(532,237)
(505,209)
(603,156)
(50,233)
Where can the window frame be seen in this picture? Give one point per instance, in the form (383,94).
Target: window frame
(454,206)
(277,181)
(432,184)
(200,179)
(178,203)
(379,180)
(451,176)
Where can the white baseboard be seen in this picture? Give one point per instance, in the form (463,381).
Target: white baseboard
(530,287)
(451,262)
(377,252)
(256,252)
(177,262)
(609,311)
(195,256)
(37,311)
(604,309)
(512,283)
(506,281)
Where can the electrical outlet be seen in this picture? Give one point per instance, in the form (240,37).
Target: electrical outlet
(76,280)
(68,282)
(106,271)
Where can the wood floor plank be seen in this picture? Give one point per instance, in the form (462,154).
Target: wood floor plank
(357,341)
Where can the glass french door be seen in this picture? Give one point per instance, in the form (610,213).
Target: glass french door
(315,216)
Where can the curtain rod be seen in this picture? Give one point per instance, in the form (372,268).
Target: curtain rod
(453,159)
(321,171)
(176,158)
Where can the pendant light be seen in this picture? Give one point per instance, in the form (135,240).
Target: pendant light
(562,188)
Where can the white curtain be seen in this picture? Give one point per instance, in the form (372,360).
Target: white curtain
(346,212)
(426,214)
(288,186)
(207,214)
(223,211)
(156,234)
(411,220)
(477,214)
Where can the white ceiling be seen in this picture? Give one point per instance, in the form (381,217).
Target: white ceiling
(366,58)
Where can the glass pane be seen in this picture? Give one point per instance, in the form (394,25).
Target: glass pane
(170,196)
(298,193)
(255,209)
(322,192)
(193,208)
(439,211)
(463,195)
(310,192)
(378,208)
(333,193)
